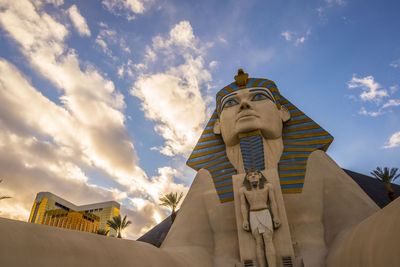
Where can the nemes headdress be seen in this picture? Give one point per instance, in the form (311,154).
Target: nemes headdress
(301,136)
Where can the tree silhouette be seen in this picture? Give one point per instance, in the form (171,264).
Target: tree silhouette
(118,225)
(171,200)
(386,177)
(102,232)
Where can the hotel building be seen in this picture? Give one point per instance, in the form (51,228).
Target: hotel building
(52,210)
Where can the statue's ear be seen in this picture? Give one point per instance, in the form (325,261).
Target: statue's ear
(217,127)
(285,114)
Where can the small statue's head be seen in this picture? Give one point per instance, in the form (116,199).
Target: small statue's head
(249,109)
(253,179)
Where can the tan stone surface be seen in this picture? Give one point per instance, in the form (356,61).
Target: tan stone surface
(32,245)
(204,229)
(374,242)
(331,203)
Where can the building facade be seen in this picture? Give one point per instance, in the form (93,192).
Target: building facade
(52,210)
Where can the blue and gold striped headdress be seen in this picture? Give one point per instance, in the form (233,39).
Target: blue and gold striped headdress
(301,136)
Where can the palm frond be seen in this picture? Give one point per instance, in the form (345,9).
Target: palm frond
(103,232)
(125,223)
(393,172)
(387,176)
(171,200)
(118,225)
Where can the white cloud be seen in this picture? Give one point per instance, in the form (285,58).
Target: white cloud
(103,35)
(329,4)
(104,46)
(148,204)
(363,111)
(300,40)
(287,35)
(163,183)
(128,68)
(392,103)
(30,163)
(127,8)
(121,71)
(172,98)
(393,88)
(79,21)
(335,2)
(46,146)
(320,10)
(371,90)
(213,64)
(297,38)
(108,37)
(55,3)
(394,141)
(395,63)
(222,40)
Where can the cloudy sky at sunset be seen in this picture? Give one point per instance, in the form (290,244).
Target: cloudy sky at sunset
(103,100)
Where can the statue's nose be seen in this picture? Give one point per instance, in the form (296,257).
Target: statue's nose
(244,105)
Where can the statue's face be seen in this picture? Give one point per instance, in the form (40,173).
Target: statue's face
(248,110)
(254,178)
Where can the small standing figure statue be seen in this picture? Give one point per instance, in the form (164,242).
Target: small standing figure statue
(260,197)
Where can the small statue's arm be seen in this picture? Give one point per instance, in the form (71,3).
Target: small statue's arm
(274,207)
(243,209)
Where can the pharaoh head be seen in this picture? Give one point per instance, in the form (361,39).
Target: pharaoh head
(256,104)
(248,110)
(253,179)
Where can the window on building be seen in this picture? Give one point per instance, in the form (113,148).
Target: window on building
(62,206)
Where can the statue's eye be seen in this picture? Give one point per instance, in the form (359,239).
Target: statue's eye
(259,96)
(229,103)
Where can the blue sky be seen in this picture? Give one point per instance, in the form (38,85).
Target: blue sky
(105,99)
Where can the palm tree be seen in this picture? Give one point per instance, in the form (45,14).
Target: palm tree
(118,225)
(171,200)
(386,177)
(3,197)
(103,232)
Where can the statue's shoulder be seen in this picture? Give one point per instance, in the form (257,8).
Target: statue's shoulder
(202,179)
(203,172)
(321,166)
(320,157)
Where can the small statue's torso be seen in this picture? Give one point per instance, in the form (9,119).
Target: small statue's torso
(257,198)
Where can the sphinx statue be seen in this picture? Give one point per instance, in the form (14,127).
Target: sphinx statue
(325,216)
(320,216)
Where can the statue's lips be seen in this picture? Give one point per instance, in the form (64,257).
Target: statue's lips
(247,116)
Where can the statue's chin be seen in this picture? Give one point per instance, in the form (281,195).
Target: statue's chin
(271,134)
(268,131)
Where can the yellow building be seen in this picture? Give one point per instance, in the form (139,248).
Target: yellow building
(52,210)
